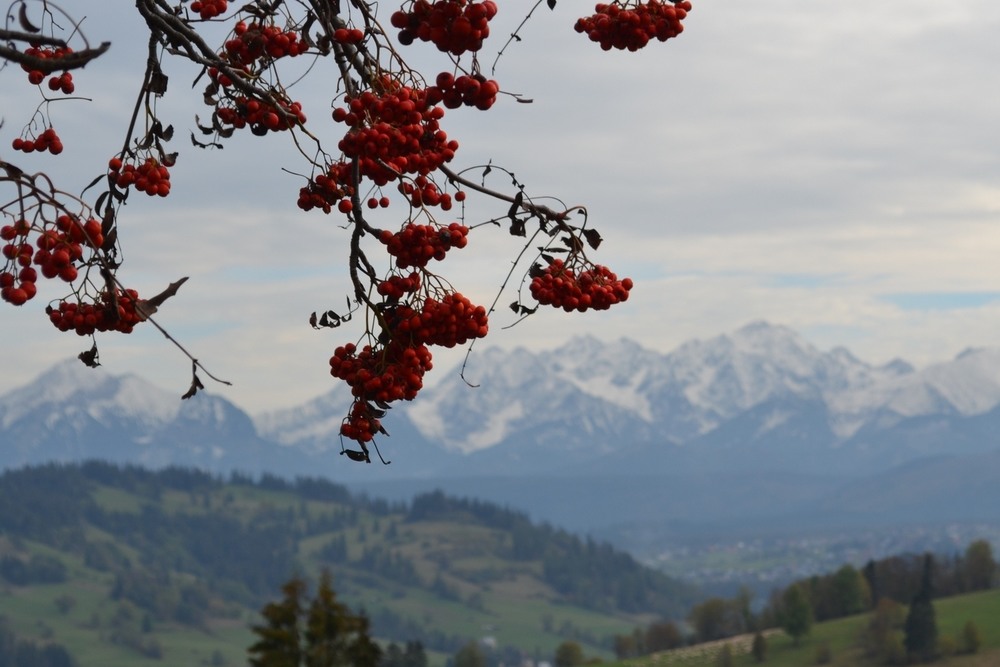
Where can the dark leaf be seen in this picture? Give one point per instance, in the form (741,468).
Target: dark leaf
(109,240)
(306,27)
(206,144)
(210,92)
(93,183)
(22,18)
(356,455)
(521,309)
(378,412)
(517,227)
(13,171)
(157,83)
(195,386)
(593,238)
(90,357)
(147,307)
(552,4)
(101,198)
(572,242)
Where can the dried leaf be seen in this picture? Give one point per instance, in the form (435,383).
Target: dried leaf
(90,357)
(195,386)
(93,183)
(521,309)
(356,455)
(146,307)
(593,238)
(22,18)
(206,144)
(157,83)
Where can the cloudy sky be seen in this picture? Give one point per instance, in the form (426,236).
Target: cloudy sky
(832,167)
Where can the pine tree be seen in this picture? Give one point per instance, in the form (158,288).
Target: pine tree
(318,633)
(759,647)
(279,643)
(921,625)
(797,615)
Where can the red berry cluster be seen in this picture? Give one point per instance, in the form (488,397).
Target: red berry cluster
(111,313)
(382,373)
(398,128)
(349,35)
(262,117)
(324,191)
(209,9)
(58,249)
(394,287)
(595,287)
(416,245)
(63,82)
(454,26)
(471,91)
(48,140)
(19,287)
(424,192)
(257,42)
(381,202)
(151,176)
(620,26)
(452,321)
(362,423)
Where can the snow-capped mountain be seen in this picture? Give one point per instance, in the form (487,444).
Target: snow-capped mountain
(760,398)
(72,412)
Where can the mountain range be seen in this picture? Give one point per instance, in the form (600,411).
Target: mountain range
(752,427)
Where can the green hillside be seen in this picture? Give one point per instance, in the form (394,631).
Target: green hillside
(841,637)
(125,566)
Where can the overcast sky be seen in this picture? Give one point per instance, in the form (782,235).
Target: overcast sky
(833,167)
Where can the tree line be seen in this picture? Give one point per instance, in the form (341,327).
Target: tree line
(898,591)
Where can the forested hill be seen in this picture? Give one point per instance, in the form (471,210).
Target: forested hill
(182,547)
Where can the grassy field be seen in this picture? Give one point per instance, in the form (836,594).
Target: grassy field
(489,596)
(841,636)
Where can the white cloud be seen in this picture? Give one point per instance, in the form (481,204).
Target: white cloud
(794,161)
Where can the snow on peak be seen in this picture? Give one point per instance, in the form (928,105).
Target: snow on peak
(94,390)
